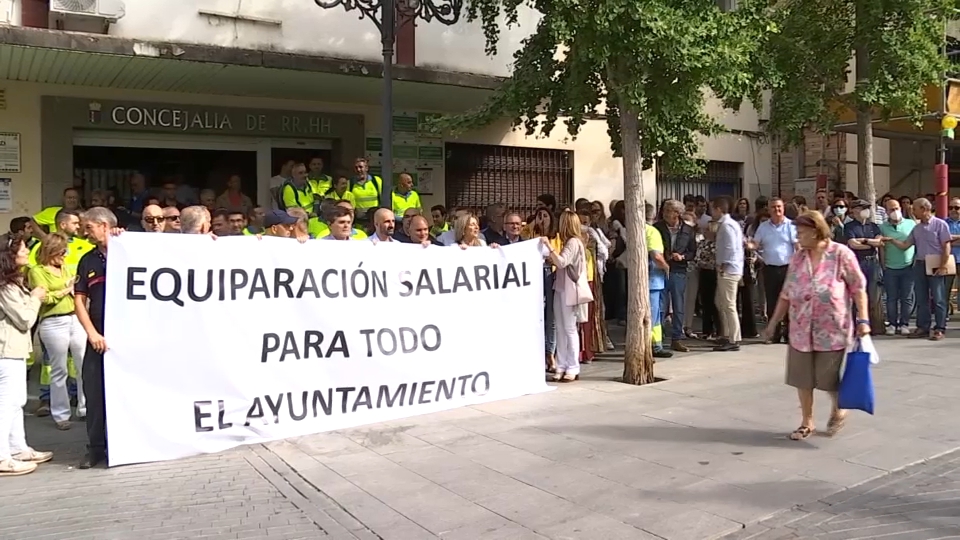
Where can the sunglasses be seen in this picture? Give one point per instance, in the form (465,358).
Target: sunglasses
(153,220)
(955,207)
(172,218)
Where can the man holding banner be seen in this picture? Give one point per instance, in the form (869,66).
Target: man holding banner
(91,286)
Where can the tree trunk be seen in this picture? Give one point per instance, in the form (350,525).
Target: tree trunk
(866,189)
(638,351)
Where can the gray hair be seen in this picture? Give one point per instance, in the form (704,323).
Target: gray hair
(923,203)
(192,219)
(650,211)
(99,214)
(674,205)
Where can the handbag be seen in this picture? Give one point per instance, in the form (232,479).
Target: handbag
(577,288)
(856,385)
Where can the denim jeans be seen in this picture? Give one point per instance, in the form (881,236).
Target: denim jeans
(549,319)
(871,271)
(898,283)
(655,315)
(927,288)
(674,293)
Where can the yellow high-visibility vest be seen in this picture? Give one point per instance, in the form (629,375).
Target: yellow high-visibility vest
(356,234)
(347,196)
(48,217)
(367,195)
(320,185)
(293,197)
(402,203)
(76,249)
(437,230)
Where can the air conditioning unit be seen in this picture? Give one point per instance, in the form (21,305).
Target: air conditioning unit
(85,15)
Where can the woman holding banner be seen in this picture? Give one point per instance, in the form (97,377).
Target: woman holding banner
(19,308)
(571,291)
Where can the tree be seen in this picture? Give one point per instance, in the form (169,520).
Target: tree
(897,51)
(645,64)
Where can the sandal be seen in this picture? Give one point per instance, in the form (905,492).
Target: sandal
(567,378)
(836,423)
(801,433)
(557,376)
(63,426)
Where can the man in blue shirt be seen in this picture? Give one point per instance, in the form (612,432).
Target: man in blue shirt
(776,242)
(953,221)
(863,236)
(730,261)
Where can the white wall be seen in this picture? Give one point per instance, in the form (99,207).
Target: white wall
(461,47)
(306,28)
(10,12)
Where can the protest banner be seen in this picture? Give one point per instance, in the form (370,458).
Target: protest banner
(218,343)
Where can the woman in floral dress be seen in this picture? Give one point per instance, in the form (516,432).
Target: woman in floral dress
(823,281)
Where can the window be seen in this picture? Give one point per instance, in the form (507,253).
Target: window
(719,178)
(727,5)
(478,175)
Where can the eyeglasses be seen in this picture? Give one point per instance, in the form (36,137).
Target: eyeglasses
(840,206)
(153,220)
(955,207)
(172,218)
(514,223)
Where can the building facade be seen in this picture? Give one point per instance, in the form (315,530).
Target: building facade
(195,91)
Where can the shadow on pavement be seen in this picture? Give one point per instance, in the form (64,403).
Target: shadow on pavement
(686,434)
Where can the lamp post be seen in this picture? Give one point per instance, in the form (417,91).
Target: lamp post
(385,14)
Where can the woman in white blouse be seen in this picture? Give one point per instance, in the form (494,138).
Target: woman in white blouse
(571,264)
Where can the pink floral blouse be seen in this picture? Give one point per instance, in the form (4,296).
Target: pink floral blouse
(821,298)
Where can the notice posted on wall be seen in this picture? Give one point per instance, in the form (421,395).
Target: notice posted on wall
(280,339)
(6,195)
(9,152)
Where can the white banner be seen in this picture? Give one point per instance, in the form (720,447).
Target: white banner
(218,343)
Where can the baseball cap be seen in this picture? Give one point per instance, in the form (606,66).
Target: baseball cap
(278,217)
(859,203)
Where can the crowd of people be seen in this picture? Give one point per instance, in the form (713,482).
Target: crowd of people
(817,276)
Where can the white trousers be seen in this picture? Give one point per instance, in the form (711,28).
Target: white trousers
(568,340)
(13,396)
(726,300)
(62,335)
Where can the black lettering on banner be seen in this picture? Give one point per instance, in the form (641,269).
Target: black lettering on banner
(132,282)
(407,339)
(425,390)
(177,285)
(191,286)
(220,423)
(436,337)
(311,346)
(308,404)
(333,283)
(367,332)
(391,347)
(238,280)
(199,416)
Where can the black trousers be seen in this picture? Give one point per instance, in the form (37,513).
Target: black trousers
(708,303)
(96,404)
(773,279)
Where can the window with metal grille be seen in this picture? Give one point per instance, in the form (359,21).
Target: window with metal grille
(719,178)
(479,174)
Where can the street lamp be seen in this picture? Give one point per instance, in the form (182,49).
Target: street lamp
(384,14)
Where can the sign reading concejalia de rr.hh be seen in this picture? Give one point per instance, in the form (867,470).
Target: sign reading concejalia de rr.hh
(218,343)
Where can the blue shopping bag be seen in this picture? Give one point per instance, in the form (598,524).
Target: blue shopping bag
(856,385)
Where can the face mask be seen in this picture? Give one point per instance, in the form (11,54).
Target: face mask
(895,215)
(840,211)
(865,214)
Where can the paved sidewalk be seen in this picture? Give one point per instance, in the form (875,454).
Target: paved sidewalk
(699,456)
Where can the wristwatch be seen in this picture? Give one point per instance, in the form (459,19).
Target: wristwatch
(863,321)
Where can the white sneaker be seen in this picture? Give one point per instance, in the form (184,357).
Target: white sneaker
(32,456)
(891,331)
(13,467)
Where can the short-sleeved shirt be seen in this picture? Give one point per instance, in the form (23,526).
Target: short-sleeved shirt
(929,238)
(869,230)
(776,242)
(92,282)
(658,277)
(895,258)
(954,225)
(821,298)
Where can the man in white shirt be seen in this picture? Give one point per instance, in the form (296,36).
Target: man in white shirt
(730,261)
(384,224)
